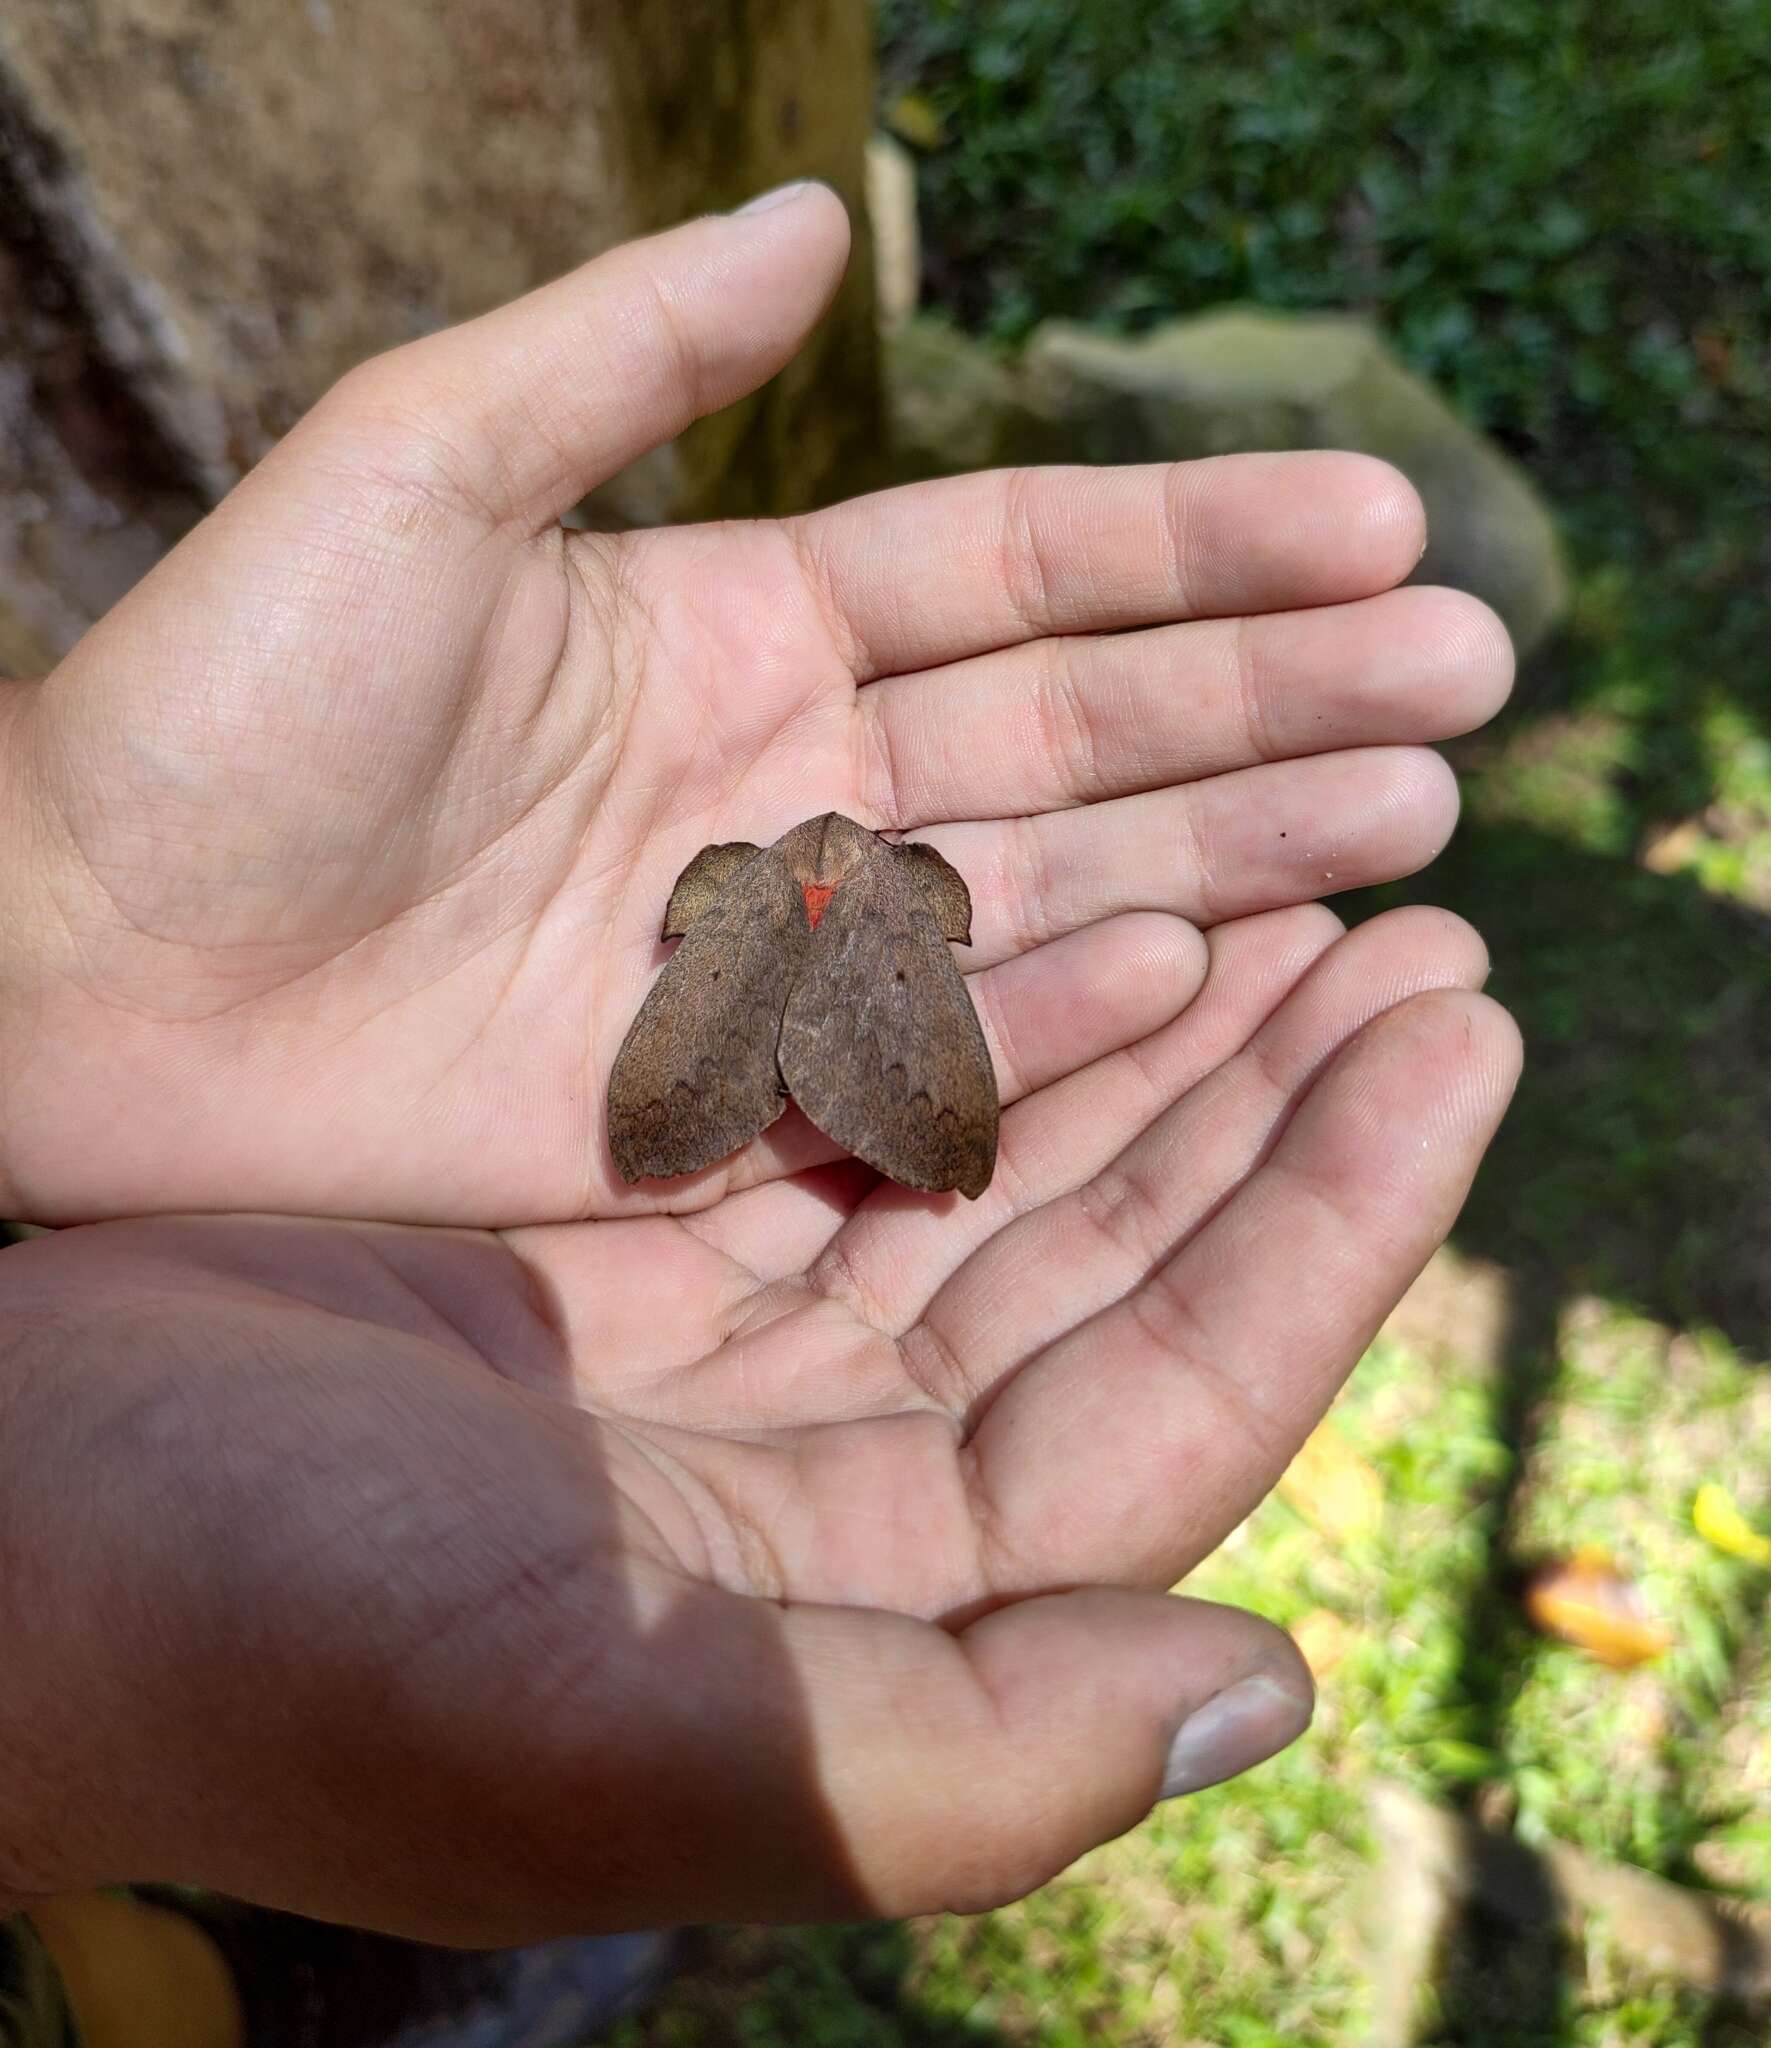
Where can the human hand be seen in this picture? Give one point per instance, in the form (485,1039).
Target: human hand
(800,1557)
(337,852)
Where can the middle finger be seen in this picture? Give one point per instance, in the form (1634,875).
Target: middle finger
(1064,721)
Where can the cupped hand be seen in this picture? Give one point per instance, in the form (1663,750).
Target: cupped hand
(801,1556)
(336,854)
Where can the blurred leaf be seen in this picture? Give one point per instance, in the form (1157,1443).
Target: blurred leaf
(916,120)
(1718,1520)
(1715,354)
(1585,1600)
(1466,1761)
(1323,1639)
(1333,1488)
(1666,849)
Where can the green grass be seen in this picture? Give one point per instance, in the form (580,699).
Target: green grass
(1558,210)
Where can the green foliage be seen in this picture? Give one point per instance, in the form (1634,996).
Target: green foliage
(1556,209)
(1558,212)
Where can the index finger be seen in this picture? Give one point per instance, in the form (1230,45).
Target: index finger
(933,572)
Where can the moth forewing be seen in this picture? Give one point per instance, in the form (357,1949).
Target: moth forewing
(696,1076)
(880,1044)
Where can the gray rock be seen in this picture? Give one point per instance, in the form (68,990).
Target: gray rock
(956,404)
(1244,379)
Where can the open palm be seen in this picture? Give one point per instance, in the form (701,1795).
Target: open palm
(801,1556)
(351,829)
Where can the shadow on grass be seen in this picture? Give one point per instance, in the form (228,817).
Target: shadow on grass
(1635,1164)
(837,1987)
(1506,1987)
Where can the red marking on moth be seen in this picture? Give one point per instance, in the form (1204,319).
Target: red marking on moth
(817,895)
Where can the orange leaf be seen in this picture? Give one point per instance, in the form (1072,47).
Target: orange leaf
(1585,1600)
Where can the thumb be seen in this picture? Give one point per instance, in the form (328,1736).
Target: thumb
(735,1760)
(973,1768)
(516,415)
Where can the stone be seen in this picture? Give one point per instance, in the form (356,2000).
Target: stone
(957,404)
(218,207)
(1434,1866)
(91,495)
(1245,379)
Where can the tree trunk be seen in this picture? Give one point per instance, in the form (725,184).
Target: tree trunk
(211,208)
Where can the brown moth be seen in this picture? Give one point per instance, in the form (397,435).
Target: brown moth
(816,967)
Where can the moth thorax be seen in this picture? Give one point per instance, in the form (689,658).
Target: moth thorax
(817,896)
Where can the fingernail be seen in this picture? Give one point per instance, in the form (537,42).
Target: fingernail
(782,195)
(1236,1729)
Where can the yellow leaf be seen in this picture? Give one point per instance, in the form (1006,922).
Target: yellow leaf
(1331,1486)
(914,120)
(1718,1520)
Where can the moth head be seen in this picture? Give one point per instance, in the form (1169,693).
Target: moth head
(827,849)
